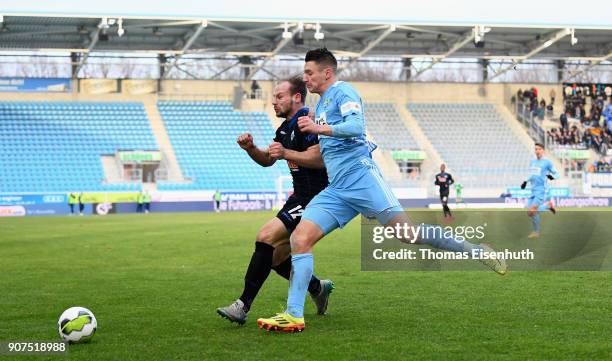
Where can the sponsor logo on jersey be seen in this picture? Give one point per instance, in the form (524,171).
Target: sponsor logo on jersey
(535,170)
(322,119)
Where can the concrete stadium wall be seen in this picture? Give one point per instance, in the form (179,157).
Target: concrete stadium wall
(380,91)
(402,92)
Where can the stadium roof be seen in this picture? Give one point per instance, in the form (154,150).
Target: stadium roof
(257,38)
(264,39)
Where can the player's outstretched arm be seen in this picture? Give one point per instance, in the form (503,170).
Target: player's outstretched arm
(260,156)
(310,158)
(351,127)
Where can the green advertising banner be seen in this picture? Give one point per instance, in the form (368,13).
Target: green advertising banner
(408,155)
(578,153)
(139,156)
(573,153)
(109,197)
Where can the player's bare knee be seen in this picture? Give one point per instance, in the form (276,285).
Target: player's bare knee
(266,236)
(300,242)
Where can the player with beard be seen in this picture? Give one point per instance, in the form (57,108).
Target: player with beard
(302,153)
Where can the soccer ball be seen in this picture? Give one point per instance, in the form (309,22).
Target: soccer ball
(77,324)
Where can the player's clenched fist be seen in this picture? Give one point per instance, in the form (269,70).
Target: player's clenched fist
(276,151)
(245,141)
(307,125)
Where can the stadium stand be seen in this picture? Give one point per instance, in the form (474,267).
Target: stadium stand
(56,146)
(387,127)
(475,142)
(203,135)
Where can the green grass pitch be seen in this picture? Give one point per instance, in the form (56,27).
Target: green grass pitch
(154,281)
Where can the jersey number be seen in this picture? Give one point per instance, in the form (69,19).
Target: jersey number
(296,212)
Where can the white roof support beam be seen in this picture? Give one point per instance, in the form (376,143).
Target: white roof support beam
(453,49)
(593,64)
(558,35)
(360,30)
(250,34)
(388,30)
(188,43)
(94,40)
(281,44)
(427,31)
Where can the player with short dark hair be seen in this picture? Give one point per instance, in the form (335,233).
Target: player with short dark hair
(444,181)
(355,186)
(541,170)
(272,249)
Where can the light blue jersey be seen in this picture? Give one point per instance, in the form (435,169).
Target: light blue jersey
(355,182)
(340,154)
(539,171)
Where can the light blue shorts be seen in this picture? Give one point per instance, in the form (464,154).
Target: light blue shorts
(538,198)
(362,191)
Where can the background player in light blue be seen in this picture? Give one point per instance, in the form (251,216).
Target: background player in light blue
(541,170)
(355,185)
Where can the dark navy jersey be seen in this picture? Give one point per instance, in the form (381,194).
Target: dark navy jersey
(444,180)
(307,182)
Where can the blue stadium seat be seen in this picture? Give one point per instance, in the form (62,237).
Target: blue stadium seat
(496,160)
(56,146)
(203,135)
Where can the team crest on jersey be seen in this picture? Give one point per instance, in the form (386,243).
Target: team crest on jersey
(326,102)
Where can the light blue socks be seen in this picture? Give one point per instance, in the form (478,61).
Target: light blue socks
(301,272)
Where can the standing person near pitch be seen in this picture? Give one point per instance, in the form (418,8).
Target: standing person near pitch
(355,185)
(444,181)
(541,169)
(303,157)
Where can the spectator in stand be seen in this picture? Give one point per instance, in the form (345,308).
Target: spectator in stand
(553,95)
(542,109)
(534,105)
(565,136)
(578,112)
(595,114)
(563,120)
(601,166)
(575,135)
(607,113)
(255,89)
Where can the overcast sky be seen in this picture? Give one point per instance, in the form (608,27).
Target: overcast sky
(594,13)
